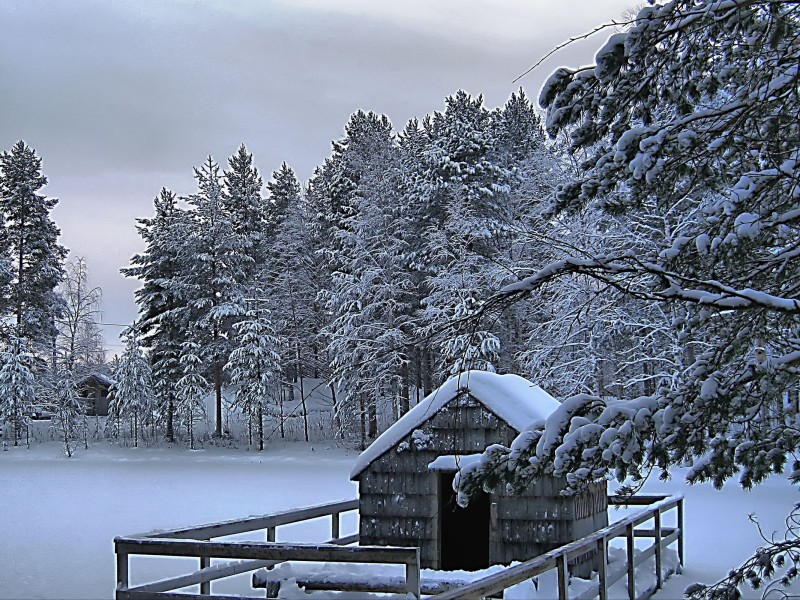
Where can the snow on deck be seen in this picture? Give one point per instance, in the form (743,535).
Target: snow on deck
(512,398)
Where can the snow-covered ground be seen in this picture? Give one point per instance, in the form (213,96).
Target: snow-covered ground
(58,516)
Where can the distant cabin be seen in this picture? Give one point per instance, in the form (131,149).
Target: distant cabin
(405,481)
(93,391)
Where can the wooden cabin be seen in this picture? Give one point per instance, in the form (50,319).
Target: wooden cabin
(405,481)
(93,391)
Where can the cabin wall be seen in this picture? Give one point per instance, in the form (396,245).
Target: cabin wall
(539,520)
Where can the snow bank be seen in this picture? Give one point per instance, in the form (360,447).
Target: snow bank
(512,398)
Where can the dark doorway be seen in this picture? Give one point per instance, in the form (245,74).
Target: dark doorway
(463,532)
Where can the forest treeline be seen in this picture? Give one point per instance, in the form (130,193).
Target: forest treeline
(368,275)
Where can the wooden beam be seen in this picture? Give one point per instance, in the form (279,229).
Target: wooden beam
(134,595)
(223,528)
(267,551)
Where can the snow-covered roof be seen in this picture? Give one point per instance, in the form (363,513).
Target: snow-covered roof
(512,398)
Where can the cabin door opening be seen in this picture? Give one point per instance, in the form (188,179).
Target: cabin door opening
(463,532)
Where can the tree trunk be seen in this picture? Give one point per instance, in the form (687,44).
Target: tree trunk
(362,416)
(427,377)
(260,428)
(302,390)
(405,403)
(170,418)
(218,397)
(372,413)
(337,422)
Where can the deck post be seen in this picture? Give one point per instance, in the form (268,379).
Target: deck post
(563,577)
(631,562)
(270,534)
(205,586)
(413,576)
(122,571)
(602,546)
(335,525)
(659,575)
(681,557)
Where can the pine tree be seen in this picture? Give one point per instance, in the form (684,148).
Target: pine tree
(465,197)
(163,315)
(690,114)
(292,283)
(214,281)
(370,293)
(31,239)
(17,386)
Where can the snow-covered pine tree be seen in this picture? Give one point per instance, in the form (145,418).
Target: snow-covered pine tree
(291,276)
(693,109)
(163,319)
(214,281)
(17,386)
(370,295)
(31,239)
(191,388)
(68,419)
(464,195)
(254,368)
(247,211)
(132,390)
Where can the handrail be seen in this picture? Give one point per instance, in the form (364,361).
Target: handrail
(234,526)
(598,540)
(195,542)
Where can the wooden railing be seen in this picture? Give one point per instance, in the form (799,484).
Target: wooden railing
(558,559)
(196,542)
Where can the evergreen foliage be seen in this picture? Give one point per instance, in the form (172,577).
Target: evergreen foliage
(30,256)
(132,391)
(254,367)
(689,129)
(17,386)
(191,389)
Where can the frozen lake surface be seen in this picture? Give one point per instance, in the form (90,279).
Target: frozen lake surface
(58,516)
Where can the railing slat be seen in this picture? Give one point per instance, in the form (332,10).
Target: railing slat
(657,541)
(602,550)
(563,580)
(631,564)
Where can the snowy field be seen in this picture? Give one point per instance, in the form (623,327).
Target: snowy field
(58,516)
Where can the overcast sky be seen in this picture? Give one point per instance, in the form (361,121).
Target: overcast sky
(122,97)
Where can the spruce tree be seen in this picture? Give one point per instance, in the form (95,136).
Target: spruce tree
(247,211)
(17,386)
(214,281)
(191,388)
(254,367)
(132,390)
